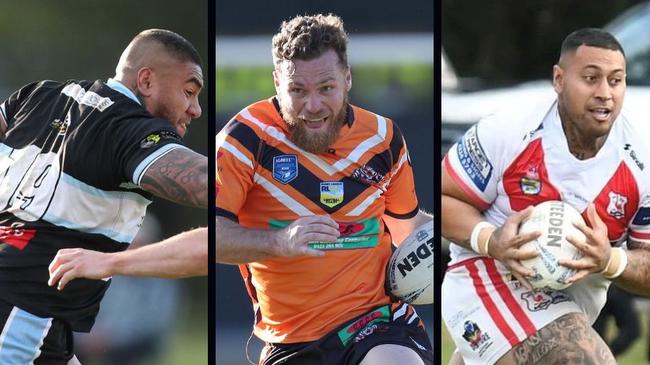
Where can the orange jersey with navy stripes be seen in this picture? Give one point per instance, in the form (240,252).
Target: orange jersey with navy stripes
(265,181)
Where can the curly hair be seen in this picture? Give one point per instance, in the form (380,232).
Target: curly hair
(306,37)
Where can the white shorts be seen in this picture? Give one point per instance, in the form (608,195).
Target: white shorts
(488,312)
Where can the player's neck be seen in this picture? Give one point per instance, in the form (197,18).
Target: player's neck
(581,145)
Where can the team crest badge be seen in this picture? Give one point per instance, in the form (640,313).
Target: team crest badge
(530,183)
(285,168)
(331,193)
(477,339)
(616,206)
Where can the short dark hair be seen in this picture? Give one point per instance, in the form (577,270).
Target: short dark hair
(591,37)
(306,37)
(174,43)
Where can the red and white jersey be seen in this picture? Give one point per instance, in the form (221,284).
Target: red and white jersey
(512,160)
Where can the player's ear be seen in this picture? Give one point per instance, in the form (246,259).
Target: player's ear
(145,81)
(348,78)
(558,78)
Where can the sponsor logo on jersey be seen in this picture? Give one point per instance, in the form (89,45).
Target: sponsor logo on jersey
(285,168)
(365,325)
(367,175)
(15,235)
(616,206)
(150,140)
(331,193)
(642,217)
(477,339)
(473,159)
(530,183)
(360,234)
(89,98)
(155,138)
(61,126)
(541,299)
(630,151)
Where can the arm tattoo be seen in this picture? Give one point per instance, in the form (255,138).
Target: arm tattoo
(567,340)
(180,176)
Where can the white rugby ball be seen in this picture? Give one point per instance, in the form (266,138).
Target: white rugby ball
(410,268)
(554,219)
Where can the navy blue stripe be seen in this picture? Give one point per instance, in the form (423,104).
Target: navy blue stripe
(396,144)
(244,134)
(408,215)
(220,212)
(308,184)
(381,162)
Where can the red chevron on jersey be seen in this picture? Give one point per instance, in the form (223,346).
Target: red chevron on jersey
(526,181)
(618,201)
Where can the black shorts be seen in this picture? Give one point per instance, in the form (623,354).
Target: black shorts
(349,344)
(27,338)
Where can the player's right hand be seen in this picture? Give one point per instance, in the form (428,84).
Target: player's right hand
(293,239)
(505,246)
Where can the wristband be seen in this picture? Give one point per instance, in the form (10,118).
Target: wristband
(474,237)
(616,264)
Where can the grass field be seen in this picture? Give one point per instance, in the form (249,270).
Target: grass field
(635,355)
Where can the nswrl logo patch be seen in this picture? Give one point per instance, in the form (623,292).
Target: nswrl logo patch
(285,168)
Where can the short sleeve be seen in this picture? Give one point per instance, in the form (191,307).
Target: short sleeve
(140,143)
(9,107)
(236,145)
(471,162)
(401,199)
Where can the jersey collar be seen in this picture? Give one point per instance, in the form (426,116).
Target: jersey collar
(118,86)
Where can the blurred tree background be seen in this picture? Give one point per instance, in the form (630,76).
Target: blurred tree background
(73,39)
(506,41)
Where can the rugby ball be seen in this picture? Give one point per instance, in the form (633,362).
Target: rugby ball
(554,219)
(410,269)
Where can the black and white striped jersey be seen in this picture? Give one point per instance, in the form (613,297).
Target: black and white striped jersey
(70,168)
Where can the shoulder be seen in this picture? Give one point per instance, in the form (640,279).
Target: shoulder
(367,122)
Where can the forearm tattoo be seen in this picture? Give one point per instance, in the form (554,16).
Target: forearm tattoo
(567,340)
(180,176)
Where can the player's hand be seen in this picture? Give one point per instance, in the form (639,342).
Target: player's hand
(293,239)
(505,246)
(596,247)
(72,263)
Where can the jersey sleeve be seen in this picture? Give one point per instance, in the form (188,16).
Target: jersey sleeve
(236,147)
(9,107)
(401,199)
(138,144)
(473,164)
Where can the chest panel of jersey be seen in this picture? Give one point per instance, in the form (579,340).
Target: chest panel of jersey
(543,171)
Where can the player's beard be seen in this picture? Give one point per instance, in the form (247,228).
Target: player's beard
(315,142)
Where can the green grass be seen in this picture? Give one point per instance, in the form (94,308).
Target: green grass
(635,355)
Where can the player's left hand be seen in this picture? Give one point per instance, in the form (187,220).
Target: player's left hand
(72,263)
(596,247)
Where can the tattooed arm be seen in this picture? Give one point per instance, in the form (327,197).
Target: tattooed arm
(636,277)
(180,176)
